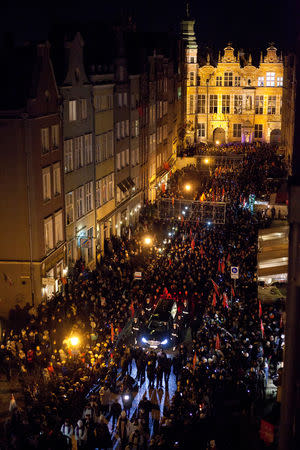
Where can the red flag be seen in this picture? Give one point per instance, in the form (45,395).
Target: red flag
(225,300)
(218,345)
(223,266)
(170,262)
(223,192)
(112,332)
(191,234)
(163,187)
(132,309)
(214,302)
(165,291)
(201,251)
(232,292)
(259,309)
(192,244)
(228,257)
(194,361)
(182,220)
(216,287)
(173,201)
(262,328)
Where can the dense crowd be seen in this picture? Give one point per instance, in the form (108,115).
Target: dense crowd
(233,148)
(225,344)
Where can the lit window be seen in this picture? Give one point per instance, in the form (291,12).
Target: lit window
(228,78)
(272,104)
(260,81)
(201,104)
(89,196)
(218,81)
(237,81)
(48,234)
(45,140)
(68,151)
(79,202)
(69,207)
(56,179)
(88,148)
(279,81)
(226,104)
(46,184)
(192,78)
(270,80)
(201,130)
(237,130)
(213,104)
(259,104)
(258,131)
(58,227)
(191,104)
(55,136)
(79,152)
(72,110)
(238,104)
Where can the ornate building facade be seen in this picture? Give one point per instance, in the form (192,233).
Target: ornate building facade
(232,100)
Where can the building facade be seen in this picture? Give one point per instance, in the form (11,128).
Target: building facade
(32,224)
(79,186)
(233,100)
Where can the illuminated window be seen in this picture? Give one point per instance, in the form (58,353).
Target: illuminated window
(45,140)
(228,78)
(55,136)
(69,207)
(237,130)
(238,104)
(88,148)
(79,202)
(79,152)
(226,104)
(58,227)
(201,130)
(46,174)
(68,150)
(261,81)
(201,104)
(191,104)
(48,234)
(270,80)
(192,78)
(258,131)
(83,108)
(213,104)
(56,179)
(272,104)
(279,81)
(259,104)
(72,110)
(218,81)
(89,196)
(237,81)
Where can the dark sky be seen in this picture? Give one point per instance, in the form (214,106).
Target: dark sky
(251,24)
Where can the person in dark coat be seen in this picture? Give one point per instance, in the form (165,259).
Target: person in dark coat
(102,434)
(115,411)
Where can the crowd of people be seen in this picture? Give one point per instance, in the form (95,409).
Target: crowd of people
(225,342)
(202,149)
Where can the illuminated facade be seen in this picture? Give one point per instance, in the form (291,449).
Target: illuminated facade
(231,101)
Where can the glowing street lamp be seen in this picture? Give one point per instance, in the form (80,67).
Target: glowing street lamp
(188,187)
(206,161)
(217,142)
(147,240)
(74,340)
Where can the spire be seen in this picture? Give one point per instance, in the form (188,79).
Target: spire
(261,58)
(238,57)
(208,59)
(219,58)
(187,9)
(250,60)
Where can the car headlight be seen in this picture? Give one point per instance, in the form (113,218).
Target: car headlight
(144,340)
(164,342)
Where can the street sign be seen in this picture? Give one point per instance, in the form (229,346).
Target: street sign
(137,275)
(234,272)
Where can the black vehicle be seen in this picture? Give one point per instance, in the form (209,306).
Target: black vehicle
(158,330)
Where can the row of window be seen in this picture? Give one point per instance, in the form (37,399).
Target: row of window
(53,231)
(78,152)
(122,159)
(122,129)
(237,130)
(157,111)
(122,99)
(240,103)
(79,202)
(162,133)
(77,109)
(104,146)
(46,143)
(103,102)
(51,181)
(230,80)
(104,190)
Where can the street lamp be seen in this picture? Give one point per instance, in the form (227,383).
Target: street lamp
(206,161)
(188,187)
(217,142)
(147,240)
(74,341)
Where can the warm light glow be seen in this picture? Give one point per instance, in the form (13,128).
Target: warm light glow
(187,187)
(206,160)
(74,340)
(217,142)
(147,240)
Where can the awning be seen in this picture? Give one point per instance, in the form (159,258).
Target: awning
(126,184)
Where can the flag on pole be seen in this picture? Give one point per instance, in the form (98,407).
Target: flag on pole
(262,328)
(182,220)
(214,301)
(218,344)
(259,309)
(225,300)
(201,251)
(192,244)
(216,287)
(228,258)
(112,332)
(223,266)
(232,292)
(132,309)
(170,262)
(194,361)
(173,200)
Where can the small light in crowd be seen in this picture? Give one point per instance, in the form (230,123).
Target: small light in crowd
(148,240)
(208,223)
(65,271)
(183,212)
(187,187)
(131,213)
(217,142)
(206,160)
(117,226)
(186,207)
(169,234)
(121,222)
(126,397)
(74,341)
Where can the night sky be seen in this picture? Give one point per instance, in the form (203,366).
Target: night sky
(249,25)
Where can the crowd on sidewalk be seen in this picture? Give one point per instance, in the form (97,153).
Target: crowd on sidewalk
(72,391)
